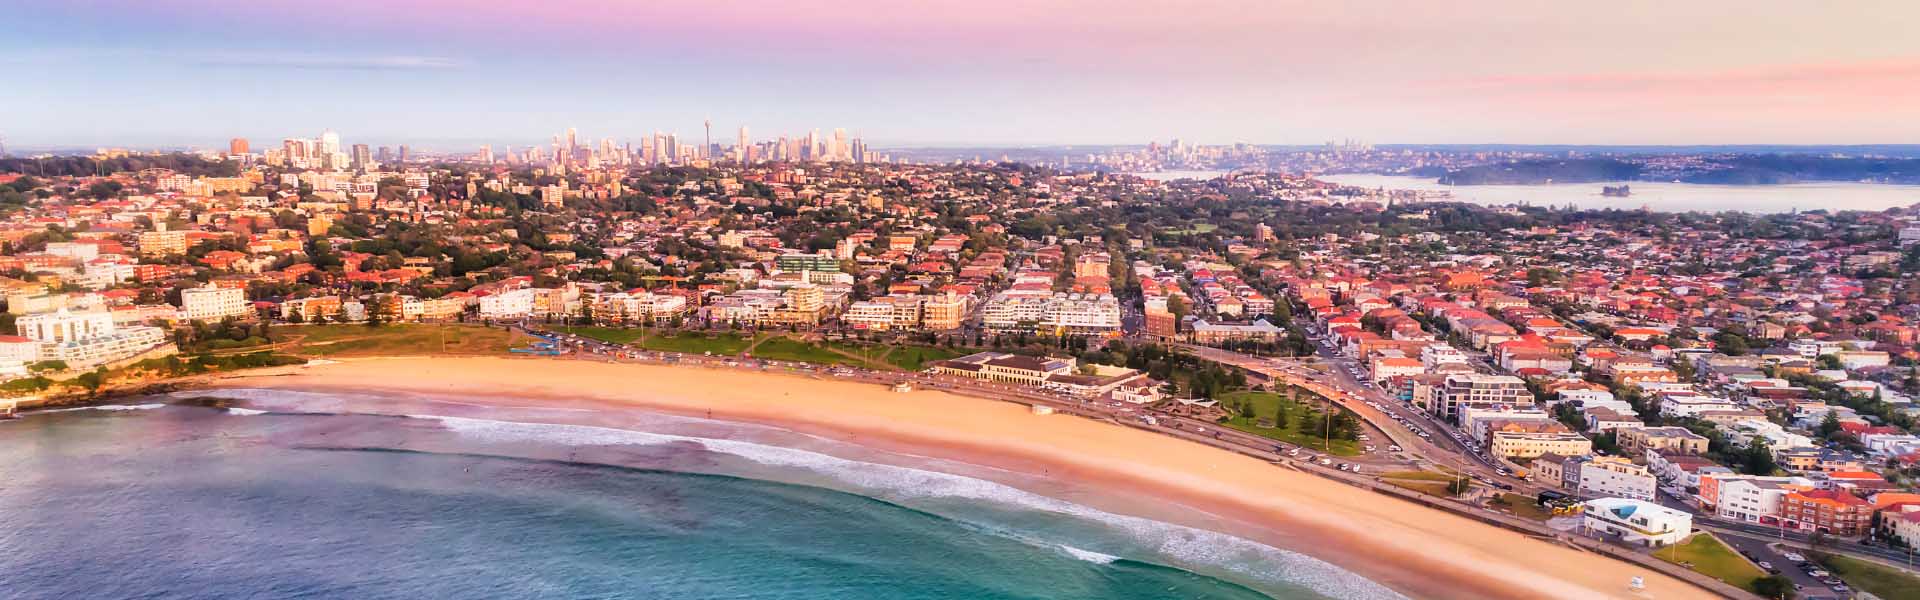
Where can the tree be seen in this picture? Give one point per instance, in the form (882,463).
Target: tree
(47,366)
(1458,486)
(1757,459)
(1773,586)
(1829,425)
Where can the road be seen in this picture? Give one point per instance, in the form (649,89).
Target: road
(1401,423)
(1760,550)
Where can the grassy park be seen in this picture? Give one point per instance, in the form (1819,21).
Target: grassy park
(1885,582)
(1426,482)
(1297,429)
(396,339)
(915,358)
(685,342)
(1706,555)
(788,349)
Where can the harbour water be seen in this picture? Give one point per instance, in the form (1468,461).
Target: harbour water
(290,494)
(1659,196)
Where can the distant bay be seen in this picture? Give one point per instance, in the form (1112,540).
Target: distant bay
(1659,196)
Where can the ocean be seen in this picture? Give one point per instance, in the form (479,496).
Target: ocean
(276,494)
(1662,196)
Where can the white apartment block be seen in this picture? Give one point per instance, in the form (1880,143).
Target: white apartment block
(1058,314)
(85,339)
(1615,477)
(510,304)
(212,303)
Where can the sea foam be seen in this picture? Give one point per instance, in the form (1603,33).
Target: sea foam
(108,407)
(1177,542)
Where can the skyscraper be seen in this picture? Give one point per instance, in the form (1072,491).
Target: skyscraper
(329,143)
(237,146)
(362,158)
(403,154)
(741,147)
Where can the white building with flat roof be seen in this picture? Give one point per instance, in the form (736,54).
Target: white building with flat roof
(1615,477)
(1637,521)
(84,339)
(212,303)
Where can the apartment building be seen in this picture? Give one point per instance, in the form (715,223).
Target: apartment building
(1057,314)
(1833,512)
(1531,444)
(157,244)
(1616,477)
(1460,390)
(212,303)
(1748,498)
(1679,439)
(85,339)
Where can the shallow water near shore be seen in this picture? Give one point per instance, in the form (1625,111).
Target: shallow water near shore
(302,494)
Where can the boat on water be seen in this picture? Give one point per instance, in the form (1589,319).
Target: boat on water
(1616,191)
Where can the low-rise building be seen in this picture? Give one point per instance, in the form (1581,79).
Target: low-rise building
(1530,444)
(1827,511)
(1637,521)
(1639,440)
(1612,476)
(1002,367)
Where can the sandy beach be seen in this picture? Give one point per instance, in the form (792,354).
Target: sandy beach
(1421,552)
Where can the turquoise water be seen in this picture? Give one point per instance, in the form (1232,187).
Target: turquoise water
(196,502)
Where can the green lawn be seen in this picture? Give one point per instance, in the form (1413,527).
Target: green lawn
(397,339)
(686,342)
(1523,506)
(1706,555)
(1429,488)
(1886,582)
(611,335)
(914,358)
(1297,432)
(781,348)
(1418,476)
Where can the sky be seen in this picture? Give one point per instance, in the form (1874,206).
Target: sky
(449,74)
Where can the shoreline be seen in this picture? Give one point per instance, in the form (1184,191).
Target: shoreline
(1418,551)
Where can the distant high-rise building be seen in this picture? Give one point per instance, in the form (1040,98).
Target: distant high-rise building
(384,154)
(741,146)
(329,143)
(237,146)
(486,154)
(362,158)
(403,154)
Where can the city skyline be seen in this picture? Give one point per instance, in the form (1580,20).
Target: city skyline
(194,72)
